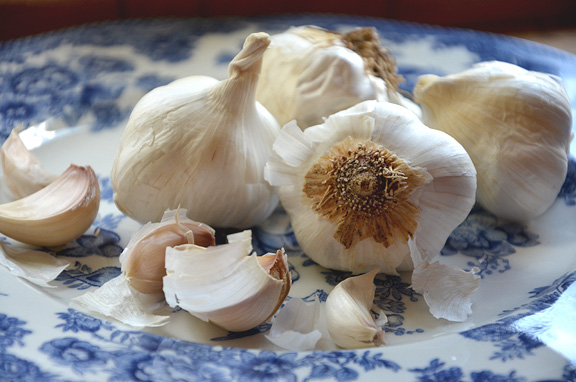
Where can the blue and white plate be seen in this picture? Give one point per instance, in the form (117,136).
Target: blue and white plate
(524,322)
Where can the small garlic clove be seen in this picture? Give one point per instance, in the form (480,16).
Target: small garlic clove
(23,173)
(58,213)
(350,321)
(224,284)
(143,258)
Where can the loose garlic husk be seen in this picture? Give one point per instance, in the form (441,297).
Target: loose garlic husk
(225,284)
(56,214)
(200,144)
(309,73)
(143,258)
(23,173)
(516,126)
(350,321)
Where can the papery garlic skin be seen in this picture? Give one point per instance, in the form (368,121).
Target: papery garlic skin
(516,126)
(23,173)
(440,200)
(225,284)
(58,213)
(200,144)
(350,322)
(309,73)
(143,258)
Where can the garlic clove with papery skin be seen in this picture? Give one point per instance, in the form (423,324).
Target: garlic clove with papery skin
(142,260)
(225,284)
(321,72)
(516,126)
(200,144)
(23,173)
(350,321)
(56,214)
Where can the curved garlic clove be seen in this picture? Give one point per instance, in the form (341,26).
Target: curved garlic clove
(350,322)
(143,258)
(58,213)
(516,126)
(23,173)
(322,72)
(200,144)
(224,284)
(359,186)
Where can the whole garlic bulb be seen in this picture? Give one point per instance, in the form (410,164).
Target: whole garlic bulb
(309,73)
(360,186)
(200,144)
(516,126)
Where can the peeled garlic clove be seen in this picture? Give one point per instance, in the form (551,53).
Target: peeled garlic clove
(516,126)
(350,321)
(321,72)
(23,173)
(225,284)
(200,144)
(58,213)
(370,178)
(143,258)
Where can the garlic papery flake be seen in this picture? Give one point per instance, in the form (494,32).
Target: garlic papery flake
(309,73)
(23,173)
(143,258)
(225,284)
(359,186)
(58,213)
(516,126)
(350,321)
(200,144)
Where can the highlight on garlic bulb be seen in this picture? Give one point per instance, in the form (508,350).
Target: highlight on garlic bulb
(143,258)
(360,186)
(23,173)
(200,144)
(228,284)
(309,73)
(516,126)
(351,323)
(57,213)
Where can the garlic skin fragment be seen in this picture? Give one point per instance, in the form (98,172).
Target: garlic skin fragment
(225,284)
(350,321)
(364,220)
(200,144)
(309,73)
(142,259)
(23,173)
(58,213)
(516,126)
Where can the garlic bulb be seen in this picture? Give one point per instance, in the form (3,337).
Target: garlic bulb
(58,213)
(309,73)
(200,144)
(23,173)
(350,322)
(516,126)
(143,258)
(370,178)
(225,284)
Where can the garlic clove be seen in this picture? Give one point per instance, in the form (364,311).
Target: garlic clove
(23,173)
(350,321)
(200,144)
(224,284)
(516,126)
(143,258)
(56,214)
(322,72)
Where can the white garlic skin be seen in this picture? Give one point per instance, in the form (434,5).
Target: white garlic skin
(200,144)
(308,74)
(516,126)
